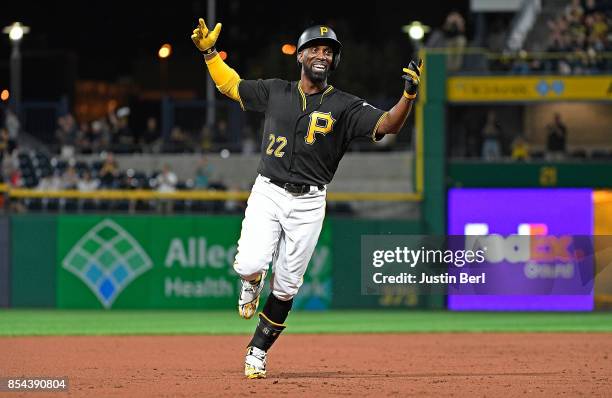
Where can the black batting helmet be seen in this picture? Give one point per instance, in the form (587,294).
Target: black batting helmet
(321,33)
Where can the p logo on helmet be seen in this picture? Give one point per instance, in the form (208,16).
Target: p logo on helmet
(321,34)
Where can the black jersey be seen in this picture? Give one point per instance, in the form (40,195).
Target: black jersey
(305,136)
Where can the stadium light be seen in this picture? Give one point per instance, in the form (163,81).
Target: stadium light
(288,49)
(223,55)
(416,30)
(164,51)
(5,95)
(15,32)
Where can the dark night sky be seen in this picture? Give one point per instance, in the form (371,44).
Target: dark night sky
(107,37)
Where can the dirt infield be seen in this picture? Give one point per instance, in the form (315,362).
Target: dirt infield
(314,365)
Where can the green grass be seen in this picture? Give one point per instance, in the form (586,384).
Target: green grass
(117,322)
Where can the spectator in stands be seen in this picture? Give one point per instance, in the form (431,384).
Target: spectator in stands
(109,172)
(84,133)
(166,183)
(4,143)
(574,10)
(113,126)
(87,184)
(7,167)
(50,182)
(206,139)
(600,26)
(70,179)
(15,177)
(99,138)
(203,173)
(590,7)
(178,141)
(12,176)
(67,135)
(12,126)
(454,34)
(557,139)
(521,65)
(520,148)
(123,137)
(491,134)
(151,136)
(166,180)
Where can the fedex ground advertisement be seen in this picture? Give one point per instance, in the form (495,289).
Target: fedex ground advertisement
(540,248)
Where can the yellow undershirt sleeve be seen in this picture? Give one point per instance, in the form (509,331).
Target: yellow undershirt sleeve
(225,78)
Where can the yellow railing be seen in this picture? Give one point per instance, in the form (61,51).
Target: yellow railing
(520,55)
(204,195)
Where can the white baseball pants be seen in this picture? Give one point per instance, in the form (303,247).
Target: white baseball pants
(281,228)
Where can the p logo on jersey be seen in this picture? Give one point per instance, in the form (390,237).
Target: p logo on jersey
(320,123)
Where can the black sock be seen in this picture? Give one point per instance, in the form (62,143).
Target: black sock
(277,310)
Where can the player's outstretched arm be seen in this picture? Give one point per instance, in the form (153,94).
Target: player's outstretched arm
(396,117)
(225,78)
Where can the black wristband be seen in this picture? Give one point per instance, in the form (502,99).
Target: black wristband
(209,51)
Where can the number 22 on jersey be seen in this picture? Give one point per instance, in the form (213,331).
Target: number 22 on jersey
(320,123)
(281,141)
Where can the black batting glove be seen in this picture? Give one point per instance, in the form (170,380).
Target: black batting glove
(413,78)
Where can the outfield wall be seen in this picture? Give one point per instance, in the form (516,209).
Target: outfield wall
(33,266)
(142,262)
(185,262)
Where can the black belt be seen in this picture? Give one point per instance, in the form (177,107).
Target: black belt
(295,188)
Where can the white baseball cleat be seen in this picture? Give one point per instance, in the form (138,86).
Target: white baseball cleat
(255,363)
(249,296)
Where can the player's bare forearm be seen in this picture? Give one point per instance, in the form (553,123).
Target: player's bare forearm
(396,117)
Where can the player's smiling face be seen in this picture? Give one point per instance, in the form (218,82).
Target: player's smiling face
(317,61)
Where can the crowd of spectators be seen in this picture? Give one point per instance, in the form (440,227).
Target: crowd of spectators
(43,170)
(113,133)
(583,31)
(578,39)
(493,134)
(39,172)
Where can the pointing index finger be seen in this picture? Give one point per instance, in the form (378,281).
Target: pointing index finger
(203,27)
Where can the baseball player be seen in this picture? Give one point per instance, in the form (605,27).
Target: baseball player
(308,127)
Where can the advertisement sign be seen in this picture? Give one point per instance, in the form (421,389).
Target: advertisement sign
(553,218)
(528,88)
(163,262)
(602,201)
(33,255)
